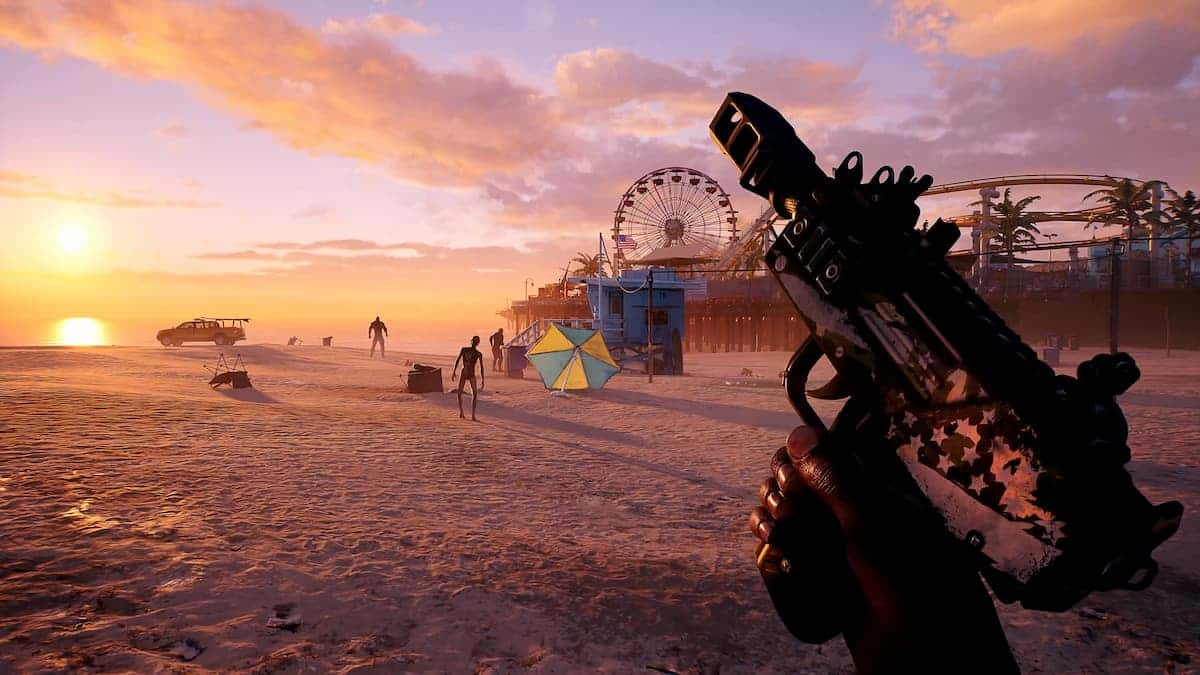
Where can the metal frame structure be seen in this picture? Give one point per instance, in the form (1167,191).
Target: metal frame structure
(673,206)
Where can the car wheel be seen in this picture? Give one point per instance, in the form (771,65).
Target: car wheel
(220,340)
(165,342)
(176,343)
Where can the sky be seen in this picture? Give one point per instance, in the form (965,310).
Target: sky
(312,164)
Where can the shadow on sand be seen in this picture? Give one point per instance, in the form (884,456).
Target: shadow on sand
(247,395)
(502,412)
(661,469)
(720,412)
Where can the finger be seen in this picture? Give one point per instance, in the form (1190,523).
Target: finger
(766,486)
(827,473)
(800,441)
(762,524)
(773,500)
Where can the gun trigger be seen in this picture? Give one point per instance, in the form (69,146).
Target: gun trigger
(796,376)
(833,390)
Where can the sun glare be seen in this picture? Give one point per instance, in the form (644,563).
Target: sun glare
(80,332)
(72,238)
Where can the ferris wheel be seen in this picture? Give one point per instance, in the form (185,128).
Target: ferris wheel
(673,207)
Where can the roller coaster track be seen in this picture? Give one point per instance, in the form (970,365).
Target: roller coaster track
(1024,179)
(751,236)
(1096,213)
(1085,215)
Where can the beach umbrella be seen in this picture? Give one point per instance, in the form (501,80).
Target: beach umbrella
(572,358)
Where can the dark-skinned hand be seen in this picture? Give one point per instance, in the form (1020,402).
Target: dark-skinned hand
(840,552)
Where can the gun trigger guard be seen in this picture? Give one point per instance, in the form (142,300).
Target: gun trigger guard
(835,389)
(795,377)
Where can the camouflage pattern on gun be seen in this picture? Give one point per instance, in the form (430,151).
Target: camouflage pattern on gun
(1024,466)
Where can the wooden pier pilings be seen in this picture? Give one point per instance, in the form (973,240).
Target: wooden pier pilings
(741,325)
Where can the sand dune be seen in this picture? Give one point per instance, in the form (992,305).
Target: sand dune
(328,521)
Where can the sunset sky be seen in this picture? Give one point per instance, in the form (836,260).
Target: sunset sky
(312,164)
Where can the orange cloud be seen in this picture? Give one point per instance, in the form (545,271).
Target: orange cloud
(15,185)
(984,28)
(633,93)
(383,24)
(352,95)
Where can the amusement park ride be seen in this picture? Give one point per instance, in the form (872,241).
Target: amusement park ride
(678,226)
(682,218)
(672,217)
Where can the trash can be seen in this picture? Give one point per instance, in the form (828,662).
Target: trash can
(1050,356)
(424,379)
(515,361)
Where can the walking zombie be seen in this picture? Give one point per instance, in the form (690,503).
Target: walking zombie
(470,357)
(497,341)
(377,331)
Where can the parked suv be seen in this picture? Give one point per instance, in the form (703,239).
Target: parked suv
(217,331)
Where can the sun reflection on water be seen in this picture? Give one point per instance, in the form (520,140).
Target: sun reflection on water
(80,331)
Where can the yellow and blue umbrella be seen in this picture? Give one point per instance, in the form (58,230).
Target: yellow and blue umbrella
(572,358)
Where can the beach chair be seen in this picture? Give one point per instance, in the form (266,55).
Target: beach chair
(234,374)
(327,341)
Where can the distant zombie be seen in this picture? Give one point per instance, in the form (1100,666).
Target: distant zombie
(377,331)
(470,357)
(497,342)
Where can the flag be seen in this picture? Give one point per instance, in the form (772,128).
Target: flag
(625,241)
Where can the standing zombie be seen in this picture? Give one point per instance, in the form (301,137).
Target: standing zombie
(376,332)
(470,358)
(497,341)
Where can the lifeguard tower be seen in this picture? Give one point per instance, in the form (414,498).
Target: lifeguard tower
(635,324)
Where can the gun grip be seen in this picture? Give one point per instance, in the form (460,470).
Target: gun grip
(795,380)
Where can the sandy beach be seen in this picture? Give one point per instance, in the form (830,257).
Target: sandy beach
(326,521)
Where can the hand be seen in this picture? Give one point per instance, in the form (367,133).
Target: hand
(841,552)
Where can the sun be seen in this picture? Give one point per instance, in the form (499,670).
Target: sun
(80,331)
(72,238)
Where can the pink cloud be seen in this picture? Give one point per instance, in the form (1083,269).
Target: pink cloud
(353,95)
(383,24)
(174,130)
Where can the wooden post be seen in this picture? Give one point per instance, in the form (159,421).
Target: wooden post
(650,325)
(1167,326)
(1114,297)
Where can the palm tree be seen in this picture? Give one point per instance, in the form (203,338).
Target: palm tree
(1182,214)
(1129,202)
(1011,226)
(587,265)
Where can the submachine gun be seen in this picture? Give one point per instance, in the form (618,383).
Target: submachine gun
(1024,466)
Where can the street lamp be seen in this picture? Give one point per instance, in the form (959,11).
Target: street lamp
(1051,237)
(528,309)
